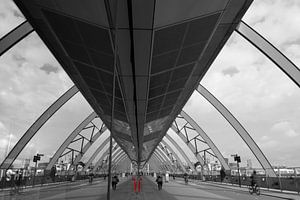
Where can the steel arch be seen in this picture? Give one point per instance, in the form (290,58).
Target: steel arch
(276,56)
(101,159)
(118,159)
(187,142)
(14,36)
(163,164)
(96,152)
(239,129)
(159,162)
(70,138)
(89,144)
(154,164)
(176,156)
(115,167)
(7,162)
(181,152)
(166,158)
(206,139)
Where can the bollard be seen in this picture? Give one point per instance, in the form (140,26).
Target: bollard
(139,184)
(134,184)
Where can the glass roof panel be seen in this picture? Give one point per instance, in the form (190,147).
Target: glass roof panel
(10,16)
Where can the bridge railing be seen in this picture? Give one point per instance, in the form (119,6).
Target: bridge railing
(44,179)
(284,182)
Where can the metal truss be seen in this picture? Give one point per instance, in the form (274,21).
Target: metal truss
(117,154)
(167,153)
(201,136)
(181,151)
(239,129)
(102,163)
(101,160)
(165,157)
(119,159)
(276,56)
(159,162)
(96,152)
(89,144)
(14,36)
(7,162)
(164,146)
(153,164)
(121,164)
(72,138)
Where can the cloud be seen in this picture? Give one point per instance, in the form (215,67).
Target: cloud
(231,71)
(10,16)
(285,128)
(48,68)
(268,144)
(17,13)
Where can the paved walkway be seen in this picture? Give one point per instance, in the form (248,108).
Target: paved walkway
(173,190)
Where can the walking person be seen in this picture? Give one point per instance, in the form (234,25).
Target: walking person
(159,181)
(114,182)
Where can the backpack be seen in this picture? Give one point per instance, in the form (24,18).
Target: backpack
(115,179)
(159,179)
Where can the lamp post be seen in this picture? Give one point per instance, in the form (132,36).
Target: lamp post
(237,158)
(35,159)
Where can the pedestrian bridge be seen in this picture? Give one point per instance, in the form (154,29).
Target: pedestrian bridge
(173,189)
(137,63)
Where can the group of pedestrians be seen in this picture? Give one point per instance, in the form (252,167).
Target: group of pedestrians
(114,179)
(15,179)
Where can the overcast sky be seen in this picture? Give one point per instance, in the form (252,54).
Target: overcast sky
(264,99)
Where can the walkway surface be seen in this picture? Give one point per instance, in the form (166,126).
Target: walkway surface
(173,190)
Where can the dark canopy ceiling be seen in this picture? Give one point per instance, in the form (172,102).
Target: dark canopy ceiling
(161,50)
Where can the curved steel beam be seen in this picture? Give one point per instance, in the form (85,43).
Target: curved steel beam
(160,163)
(117,153)
(154,164)
(96,152)
(119,158)
(7,162)
(101,159)
(176,156)
(208,141)
(123,166)
(163,155)
(89,144)
(181,152)
(239,129)
(276,56)
(14,36)
(124,156)
(71,137)
(166,163)
(190,146)
(166,158)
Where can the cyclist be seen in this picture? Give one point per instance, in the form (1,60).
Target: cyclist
(253,183)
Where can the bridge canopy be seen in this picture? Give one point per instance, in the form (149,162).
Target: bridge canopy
(145,57)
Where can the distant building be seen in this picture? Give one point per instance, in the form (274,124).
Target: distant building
(26,163)
(232,165)
(42,165)
(249,164)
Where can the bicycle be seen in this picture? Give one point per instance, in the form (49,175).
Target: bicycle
(254,189)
